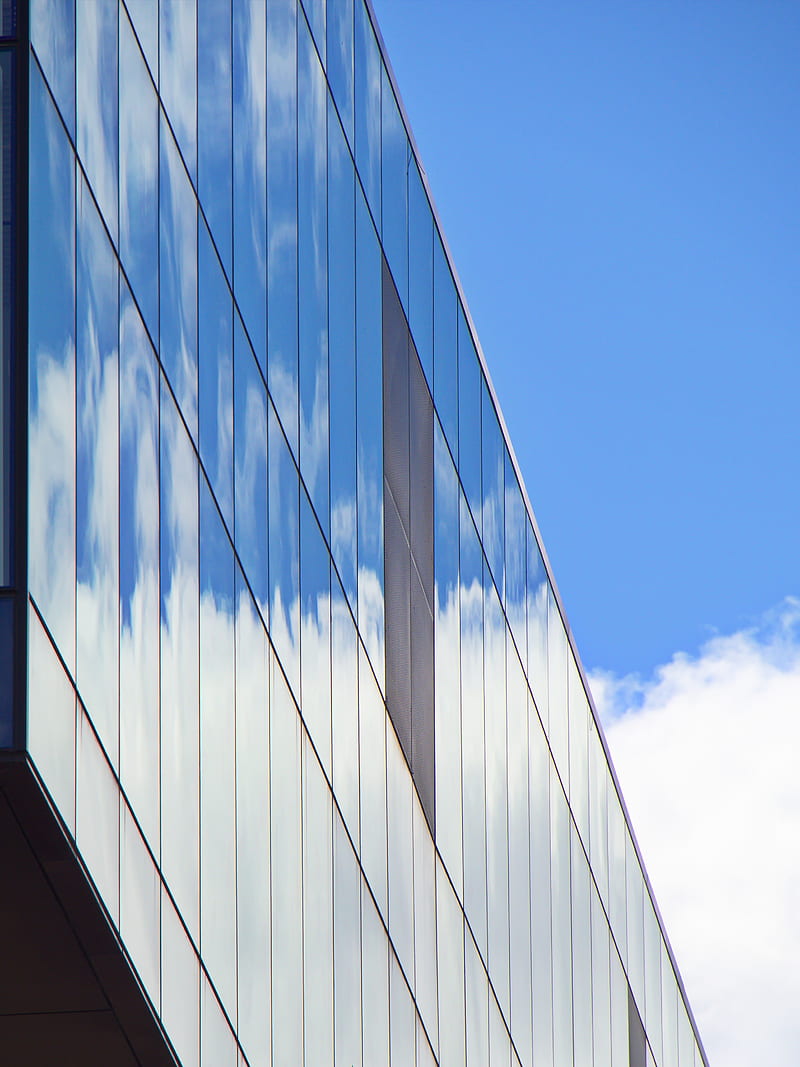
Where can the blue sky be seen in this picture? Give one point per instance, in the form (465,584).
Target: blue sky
(619,183)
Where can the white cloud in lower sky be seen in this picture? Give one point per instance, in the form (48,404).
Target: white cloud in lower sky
(707,752)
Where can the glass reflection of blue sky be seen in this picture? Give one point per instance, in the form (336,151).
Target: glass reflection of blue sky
(367,73)
(96,33)
(284,552)
(445,345)
(52,28)
(315,632)
(177,26)
(394,190)
(340,60)
(214,123)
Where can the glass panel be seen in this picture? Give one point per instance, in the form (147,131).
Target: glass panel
(7,332)
(215,374)
(282,212)
(374,984)
(401,852)
(178,73)
(420,270)
(493,474)
(425,1056)
(140,905)
(97,476)
(557,665)
(312,240)
(515,557)
(180,994)
(369,406)
(401,1017)
(250,467)
(284,552)
(519,858)
(477,1000)
(7,659)
(344,714)
(340,60)
(214,122)
(250,169)
(144,16)
(96,34)
(541,928)
(342,351)
(601,987)
(317,911)
(252,827)
(469,418)
(579,715)
(425,984)
(447,671)
(375,734)
(139,563)
(217,1043)
(53,37)
(394,189)
(620,1055)
(51,720)
(315,13)
(138,175)
(499,1043)
(286,873)
(635,923)
(669,1010)
(617,834)
(598,810)
(51,381)
(315,622)
(217,753)
(581,952)
(472,727)
(560,896)
(450,958)
(347,950)
(652,971)
(368,107)
(685,1036)
(445,345)
(178,274)
(180,664)
(537,626)
(97,819)
(494,680)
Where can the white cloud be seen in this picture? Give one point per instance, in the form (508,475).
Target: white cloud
(707,756)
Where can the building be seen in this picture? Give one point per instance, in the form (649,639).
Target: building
(299,760)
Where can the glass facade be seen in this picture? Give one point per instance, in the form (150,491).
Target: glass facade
(300,685)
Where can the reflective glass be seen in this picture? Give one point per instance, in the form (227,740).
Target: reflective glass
(51,720)
(318,930)
(144,16)
(598,810)
(537,625)
(445,344)
(7,650)
(499,1043)
(494,680)
(581,952)
(215,122)
(217,1043)
(376,736)
(493,477)
(472,727)
(97,101)
(51,370)
(138,175)
(139,569)
(579,715)
(286,873)
(178,73)
(652,972)
(312,264)
(282,213)
(367,68)
(346,949)
(402,1022)
(425,982)
(394,189)
(425,1055)
(477,1001)
(344,713)
(97,815)
(284,553)
(315,13)
(685,1036)
(315,628)
(215,373)
(669,1010)
(217,753)
(180,664)
(469,418)
(140,905)
(369,440)
(340,60)
(515,558)
(541,927)
(374,984)
(52,29)
(180,993)
(97,475)
(447,666)
(399,790)
(420,269)
(252,828)
(620,1056)
(342,353)
(558,656)
(250,467)
(250,169)
(450,960)
(635,924)
(519,896)
(601,987)
(178,277)
(7,213)
(617,833)
(560,897)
